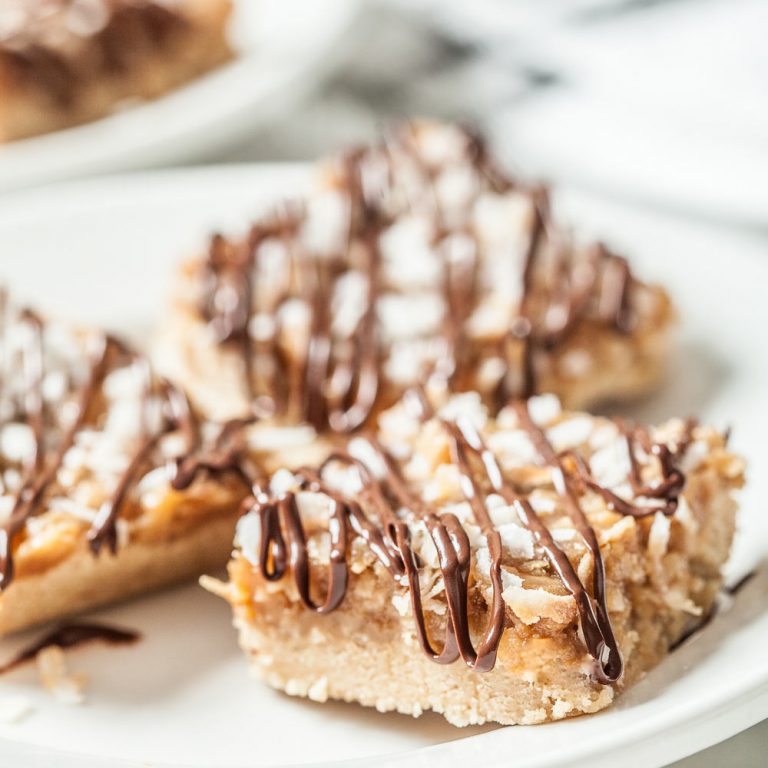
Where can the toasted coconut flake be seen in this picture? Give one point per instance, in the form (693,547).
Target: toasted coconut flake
(66,687)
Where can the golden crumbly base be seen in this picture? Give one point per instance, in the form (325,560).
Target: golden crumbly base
(82,582)
(200,47)
(366,651)
(359,654)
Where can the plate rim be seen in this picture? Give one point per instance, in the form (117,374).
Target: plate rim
(715,717)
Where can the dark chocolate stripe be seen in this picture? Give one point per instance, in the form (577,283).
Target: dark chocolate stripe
(593,610)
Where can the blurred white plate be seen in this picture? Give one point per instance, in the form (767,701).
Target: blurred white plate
(103,250)
(285,48)
(658,102)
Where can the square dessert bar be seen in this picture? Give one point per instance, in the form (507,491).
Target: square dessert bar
(414,260)
(109,483)
(515,570)
(64,62)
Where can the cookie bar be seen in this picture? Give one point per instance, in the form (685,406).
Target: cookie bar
(415,260)
(516,570)
(109,483)
(65,62)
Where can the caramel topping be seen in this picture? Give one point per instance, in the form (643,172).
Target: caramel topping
(71,636)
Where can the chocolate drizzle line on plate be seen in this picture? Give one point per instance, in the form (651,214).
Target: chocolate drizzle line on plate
(70,636)
(343,380)
(55,46)
(382,514)
(734,589)
(40,470)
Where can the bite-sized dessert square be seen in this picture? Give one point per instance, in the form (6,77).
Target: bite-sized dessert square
(110,485)
(65,62)
(517,570)
(414,260)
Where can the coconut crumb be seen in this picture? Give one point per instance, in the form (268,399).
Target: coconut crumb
(68,688)
(215,586)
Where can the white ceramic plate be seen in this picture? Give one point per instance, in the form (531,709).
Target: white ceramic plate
(103,250)
(285,48)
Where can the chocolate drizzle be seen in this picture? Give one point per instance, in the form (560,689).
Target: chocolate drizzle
(225,455)
(52,441)
(70,636)
(383,514)
(594,286)
(343,380)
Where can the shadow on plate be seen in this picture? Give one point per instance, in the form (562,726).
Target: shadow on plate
(739,607)
(429,727)
(694,377)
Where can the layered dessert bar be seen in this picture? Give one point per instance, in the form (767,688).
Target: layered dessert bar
(110,484)
(414,260)
(65,62)
(519,569)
